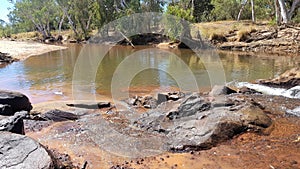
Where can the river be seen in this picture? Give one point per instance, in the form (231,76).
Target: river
(50,76)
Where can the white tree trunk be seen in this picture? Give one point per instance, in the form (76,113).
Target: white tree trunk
(277,12)
(283,11)
(243,3)
(61,22)
(253,11)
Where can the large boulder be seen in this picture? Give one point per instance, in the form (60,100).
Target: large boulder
(14,123)
(195,125)
(19,151)
(14,102)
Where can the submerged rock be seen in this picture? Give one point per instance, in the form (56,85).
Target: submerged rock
(15,100)
(19,151)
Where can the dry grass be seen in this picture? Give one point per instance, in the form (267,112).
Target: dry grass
(243,35)
(217,37)
(26,35)
(225,27)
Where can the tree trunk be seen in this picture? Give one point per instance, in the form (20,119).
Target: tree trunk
(253,11)
(193,8)
(61,22)
(277,12)
(283,12)
(241,10)
(292,10)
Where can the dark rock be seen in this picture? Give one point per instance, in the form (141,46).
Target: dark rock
(58,115)
(6,110)
(19,151)
(98,105)
(246,90)
(221,90)
(6,58)
(59,38)
(17,101)
(162,97)
(14,123)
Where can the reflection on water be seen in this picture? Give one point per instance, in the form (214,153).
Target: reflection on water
(40,77)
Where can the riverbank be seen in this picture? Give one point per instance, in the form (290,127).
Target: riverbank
(261,36)
(22,50)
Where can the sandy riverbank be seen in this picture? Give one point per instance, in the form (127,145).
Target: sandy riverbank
(23,50)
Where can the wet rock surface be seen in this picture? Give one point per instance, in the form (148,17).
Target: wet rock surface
(13,102)
(18,151)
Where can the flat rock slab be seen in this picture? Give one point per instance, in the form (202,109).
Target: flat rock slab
(19,151)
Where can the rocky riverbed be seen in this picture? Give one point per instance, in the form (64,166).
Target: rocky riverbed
(283,39)
(226,128)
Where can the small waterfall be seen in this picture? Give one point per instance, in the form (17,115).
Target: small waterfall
(290,93)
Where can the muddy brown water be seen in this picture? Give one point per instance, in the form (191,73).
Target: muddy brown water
(50,76)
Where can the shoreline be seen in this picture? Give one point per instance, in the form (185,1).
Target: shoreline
(22,50)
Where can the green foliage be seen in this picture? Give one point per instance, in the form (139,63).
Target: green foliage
(202,9)
(224,9)
(152,5)
(83,16)
(174,24)
(34,14)
(178,11)
(5,30)
(296,18)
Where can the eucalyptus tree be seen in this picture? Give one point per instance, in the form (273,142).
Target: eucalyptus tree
(40,14)
(287,11)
